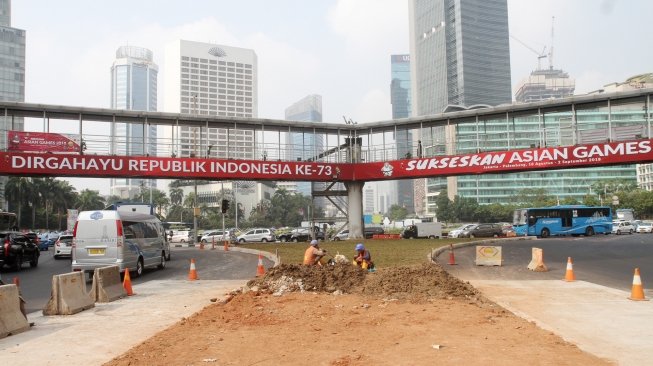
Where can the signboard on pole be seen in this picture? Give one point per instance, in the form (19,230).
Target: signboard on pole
(72,218)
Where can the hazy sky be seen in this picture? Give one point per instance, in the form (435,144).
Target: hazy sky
(339,49)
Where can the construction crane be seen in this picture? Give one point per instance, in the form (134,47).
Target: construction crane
(543,54)
(540,55)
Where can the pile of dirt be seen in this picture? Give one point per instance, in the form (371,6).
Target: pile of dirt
(297,277)
(425,281)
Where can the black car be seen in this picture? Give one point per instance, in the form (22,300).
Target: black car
(16,249)
(373,230)
(305,235)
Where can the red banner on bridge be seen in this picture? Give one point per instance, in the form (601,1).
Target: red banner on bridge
(41,142)
(561,157)
(549,158)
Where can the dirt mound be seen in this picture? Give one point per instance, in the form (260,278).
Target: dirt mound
(297,277)
(414,282)
(426,281)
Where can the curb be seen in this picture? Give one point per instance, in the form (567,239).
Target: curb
(436,253)
(267,255)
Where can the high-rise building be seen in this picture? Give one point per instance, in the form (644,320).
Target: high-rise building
(207,79)
(368,200)
(545,84)
(5,13)
(12,76)
(134,78)
(303,146)
(459,56)
(401,108)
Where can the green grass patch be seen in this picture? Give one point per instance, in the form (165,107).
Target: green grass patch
(385,252)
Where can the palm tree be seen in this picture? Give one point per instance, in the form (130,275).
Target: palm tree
(65,196)
(14,194)
(47,188)
(89,200)
(176,196)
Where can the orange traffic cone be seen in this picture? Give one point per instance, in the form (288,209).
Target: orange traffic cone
(192,274)
(127,283)
(637,292)
(452,259)
(569,275)
(226,246)
(202,245)
(260,271)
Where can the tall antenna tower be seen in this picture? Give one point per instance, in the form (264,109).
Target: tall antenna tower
(551,47)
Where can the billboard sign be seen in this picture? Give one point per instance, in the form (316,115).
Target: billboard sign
(41,142)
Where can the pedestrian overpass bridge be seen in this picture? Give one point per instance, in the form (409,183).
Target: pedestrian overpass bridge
(581,131)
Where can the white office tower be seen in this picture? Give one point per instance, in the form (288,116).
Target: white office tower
(205,79)
(12,77)
(134,87)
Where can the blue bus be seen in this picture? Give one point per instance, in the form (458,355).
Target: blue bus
(563,220)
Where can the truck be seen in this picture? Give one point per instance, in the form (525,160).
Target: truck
(430,230)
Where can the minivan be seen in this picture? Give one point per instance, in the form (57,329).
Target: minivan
(482,230)
(132,241)
(260,234)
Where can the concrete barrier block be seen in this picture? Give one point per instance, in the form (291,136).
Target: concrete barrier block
(12,321)
(68,295)
(107,286)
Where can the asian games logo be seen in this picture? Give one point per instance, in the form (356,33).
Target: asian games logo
(387,170)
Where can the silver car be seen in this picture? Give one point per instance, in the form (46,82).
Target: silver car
(259,234)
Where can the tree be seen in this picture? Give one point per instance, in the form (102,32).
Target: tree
(443,210)
(397,213)
(494,212)
(534,197)
(464,208)
(288,209)
(176,196)
(14,190)
(89,200)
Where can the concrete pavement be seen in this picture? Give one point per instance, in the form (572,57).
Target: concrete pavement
(598,319)
(97,335)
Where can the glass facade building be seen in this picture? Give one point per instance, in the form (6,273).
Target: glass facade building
(134,81)
(460,56)
(401,108)
(12,76)
(302,146)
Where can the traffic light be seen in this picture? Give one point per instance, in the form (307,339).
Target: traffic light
(225,206)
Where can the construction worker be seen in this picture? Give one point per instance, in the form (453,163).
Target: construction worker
(313,253)
(363,257)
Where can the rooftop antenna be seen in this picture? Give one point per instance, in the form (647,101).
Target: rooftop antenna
(551,47)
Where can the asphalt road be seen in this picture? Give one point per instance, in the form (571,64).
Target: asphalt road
(607,260)
(36,283)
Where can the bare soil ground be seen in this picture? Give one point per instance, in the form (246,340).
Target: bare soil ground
(342,315)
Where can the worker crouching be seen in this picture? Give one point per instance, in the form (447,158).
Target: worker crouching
(363,258)
(314,254)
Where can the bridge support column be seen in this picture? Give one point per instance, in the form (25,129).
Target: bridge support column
(355,209)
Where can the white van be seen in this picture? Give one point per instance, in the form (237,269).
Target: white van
(132,241)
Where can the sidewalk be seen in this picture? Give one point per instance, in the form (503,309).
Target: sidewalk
(600,320)
(97,335)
